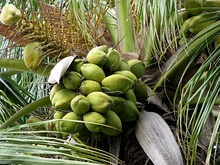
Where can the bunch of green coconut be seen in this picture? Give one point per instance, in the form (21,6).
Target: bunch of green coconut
(96,95)
(196,18)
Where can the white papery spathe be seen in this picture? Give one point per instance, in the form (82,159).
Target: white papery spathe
(59,69)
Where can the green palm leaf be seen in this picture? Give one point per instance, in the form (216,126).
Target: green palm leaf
(146,30)
(22,147)
(204,95)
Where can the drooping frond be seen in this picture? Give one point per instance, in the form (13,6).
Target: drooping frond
(198,98)
(22,147)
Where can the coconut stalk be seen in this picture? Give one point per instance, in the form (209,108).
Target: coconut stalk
(126,36)
(9,73)
(16,64)
(110,23)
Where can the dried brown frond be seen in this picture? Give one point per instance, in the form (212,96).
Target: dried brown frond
(8,32)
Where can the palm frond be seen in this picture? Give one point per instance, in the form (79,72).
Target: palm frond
(172,67)
(26,147)
(197,100)
(14,91)
(7,107)
(42,102)
(160,19)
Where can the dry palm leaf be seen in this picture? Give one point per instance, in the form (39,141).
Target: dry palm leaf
(157,140)
(8,32)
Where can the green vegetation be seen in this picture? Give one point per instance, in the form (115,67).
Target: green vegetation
(109,81)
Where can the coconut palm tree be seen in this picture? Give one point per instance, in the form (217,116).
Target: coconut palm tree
(179,45)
